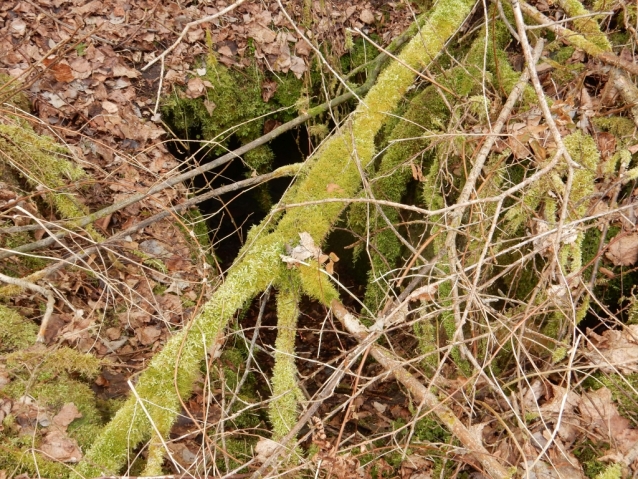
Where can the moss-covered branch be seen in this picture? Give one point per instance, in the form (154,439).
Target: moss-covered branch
(335,163)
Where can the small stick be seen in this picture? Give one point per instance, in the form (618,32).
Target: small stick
(38,289)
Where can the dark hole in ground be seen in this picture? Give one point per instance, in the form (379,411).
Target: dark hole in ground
(232,214)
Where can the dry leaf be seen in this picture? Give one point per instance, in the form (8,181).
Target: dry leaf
(615,350)
(109,107)
(61,71)
(57,445)
(265,448)
(148,335)
(302,48)
(623,250)
(124,71)
(67,415)
(425,293)
(366,16)
(195,88)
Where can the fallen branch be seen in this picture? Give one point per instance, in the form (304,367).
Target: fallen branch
(171,373)
(287,170)
(393,364)
(109,210)
(579,41)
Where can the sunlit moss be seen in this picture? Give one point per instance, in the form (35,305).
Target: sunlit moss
(16,332)
(587,24)
(53,379)
(43,162)
(286,393)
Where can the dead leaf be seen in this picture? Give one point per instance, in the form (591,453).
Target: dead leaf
(263,35)
(109,107)
(297,66)
(61,70)
(57,445)
(265,448)
(195,88)
(600,412)
(303,48)
(425,293)
(18,27)
(4,377)
(66,416)
(225,50)
(148,334)
(306,249)
(124,71)
(615,350)
(366,16)
(623,250)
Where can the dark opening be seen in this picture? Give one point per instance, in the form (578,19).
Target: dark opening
(231,215)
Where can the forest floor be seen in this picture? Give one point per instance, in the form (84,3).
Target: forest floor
(82,67)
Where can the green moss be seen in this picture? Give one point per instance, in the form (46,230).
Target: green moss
(588,25)
(232,107)
(623,392)
(426,117)
(238,451)
(30,262)
(431,431)
(286,393)
(16,332)
(11,92)
(13,458)
(619,126)
(612,471)
(195,230)
(359,53)
(587,454)
(563,54)
(42,162)
(53,363)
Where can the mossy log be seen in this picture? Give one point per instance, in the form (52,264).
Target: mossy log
(172,372)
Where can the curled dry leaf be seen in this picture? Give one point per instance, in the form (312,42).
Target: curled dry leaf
(67,415)
(195,88)
(600,413)
(615,351)
(57,445)
(425,293)
(623,250)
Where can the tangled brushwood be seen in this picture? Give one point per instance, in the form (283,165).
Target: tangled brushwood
(446,287)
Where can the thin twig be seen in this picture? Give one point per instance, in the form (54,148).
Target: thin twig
(579,41)
(75,257)
(81,222)
(38,289)
(426,398)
